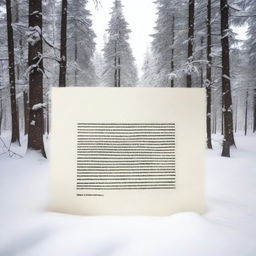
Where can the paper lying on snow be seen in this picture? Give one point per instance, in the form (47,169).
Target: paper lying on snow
(127,151)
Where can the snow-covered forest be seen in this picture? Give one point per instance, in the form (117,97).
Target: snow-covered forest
(46,43)
(192,43)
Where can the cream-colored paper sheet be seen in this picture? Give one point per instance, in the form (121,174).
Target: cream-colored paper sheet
(86,122)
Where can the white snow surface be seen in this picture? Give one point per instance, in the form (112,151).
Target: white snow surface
(227,228)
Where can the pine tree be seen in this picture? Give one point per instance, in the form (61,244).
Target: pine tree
(168,42)
(81,45)
(148,78)
(119,68)
(251,45)
(98,62)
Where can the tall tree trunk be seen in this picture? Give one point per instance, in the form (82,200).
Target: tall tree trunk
(209,74)
(246,114)
(201,66)
(36,116)
(15,117)
(172,53)
(119,72)
(115,65)
(215,123)
(76,55)
(191,24)
(226,86)
(63,45)
(26,112)
(222,119)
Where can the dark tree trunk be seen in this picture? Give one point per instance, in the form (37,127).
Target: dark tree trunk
(222,120)
(191,24)
(226,86)
(115,65)
(119,72)
(36,116)
(209,74)
(173,41)
(14,114)
(26,112)
(63,45)
(246,114)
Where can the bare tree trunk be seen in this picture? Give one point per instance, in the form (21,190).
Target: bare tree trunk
(119,72)
(26,112)
(115,65)
(172,53)
(12,82)
(191,24)
(209,74)
(36,116)
(226,86)
(222,120)
(76,54)
(246,114)
(201,68)
(63,45)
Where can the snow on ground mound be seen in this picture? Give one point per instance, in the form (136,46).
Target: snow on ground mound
(228,227)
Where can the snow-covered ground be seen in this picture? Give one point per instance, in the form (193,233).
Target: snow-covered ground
(227,228)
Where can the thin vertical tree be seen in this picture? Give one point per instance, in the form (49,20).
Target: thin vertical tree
(12,82)
(35,60)
(63,45)
(226,85)
(209,73)
(26,111)
(172,50)
(246,113)
(191,25)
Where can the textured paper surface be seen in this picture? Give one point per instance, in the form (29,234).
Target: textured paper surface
(185,108)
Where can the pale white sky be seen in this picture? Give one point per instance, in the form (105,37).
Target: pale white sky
(140,14)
